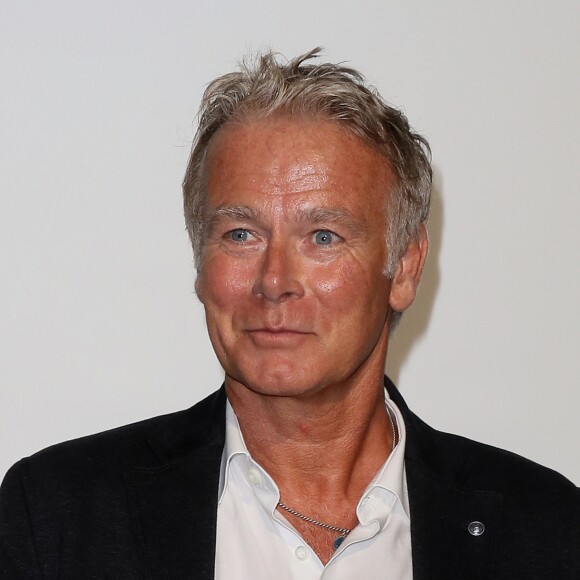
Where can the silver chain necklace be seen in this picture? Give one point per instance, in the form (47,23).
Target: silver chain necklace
(342,531)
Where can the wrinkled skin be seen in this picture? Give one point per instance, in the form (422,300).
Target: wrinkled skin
(292,279)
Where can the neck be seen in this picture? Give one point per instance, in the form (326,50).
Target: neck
(325,446)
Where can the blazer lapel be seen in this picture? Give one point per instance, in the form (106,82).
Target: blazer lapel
(441,519)
(177,530)
(174,506)
(446,507)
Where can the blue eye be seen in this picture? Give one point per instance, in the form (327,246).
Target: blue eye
(238,235)
(323,237)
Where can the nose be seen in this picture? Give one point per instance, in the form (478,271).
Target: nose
(279,277)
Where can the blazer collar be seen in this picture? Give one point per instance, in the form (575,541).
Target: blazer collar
(174,504)
(444,499)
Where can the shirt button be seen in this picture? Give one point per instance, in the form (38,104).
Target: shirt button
(476,528)
(254,476)
(301,553)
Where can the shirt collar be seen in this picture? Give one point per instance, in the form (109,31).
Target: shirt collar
(235,451)
(390,479)
(390,482)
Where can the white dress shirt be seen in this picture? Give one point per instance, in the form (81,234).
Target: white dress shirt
(256,542)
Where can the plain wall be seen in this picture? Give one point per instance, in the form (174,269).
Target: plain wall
(99,325)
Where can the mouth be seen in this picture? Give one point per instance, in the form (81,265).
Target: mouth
(277,331)
(279,335)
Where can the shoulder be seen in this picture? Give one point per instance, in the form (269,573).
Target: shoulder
(535,500)
(74,500)
(446,465)
(474,464)
(103,457)
(507,471)
(540,508)
(459,462)
(530,510)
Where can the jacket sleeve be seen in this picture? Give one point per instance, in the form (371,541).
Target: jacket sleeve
(18,557)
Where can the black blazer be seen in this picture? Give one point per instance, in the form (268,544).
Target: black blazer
(140,502)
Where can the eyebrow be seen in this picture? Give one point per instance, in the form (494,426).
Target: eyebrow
(314,215)
(319,215)
(229,212)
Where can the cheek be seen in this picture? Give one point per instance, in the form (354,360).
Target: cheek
(337,289)
(350,288)
(331,285)
(222,283)
(340,281)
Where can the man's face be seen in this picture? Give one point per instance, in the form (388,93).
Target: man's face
(292,275)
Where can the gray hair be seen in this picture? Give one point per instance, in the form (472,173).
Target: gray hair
(264,86)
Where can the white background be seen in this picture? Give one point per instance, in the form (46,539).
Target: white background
(99,325)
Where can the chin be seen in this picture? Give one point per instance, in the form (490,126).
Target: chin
(281,386)
(281,381)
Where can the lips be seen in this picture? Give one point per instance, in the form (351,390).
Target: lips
(278,330)
(276,336)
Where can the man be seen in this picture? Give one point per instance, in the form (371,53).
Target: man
(306,198)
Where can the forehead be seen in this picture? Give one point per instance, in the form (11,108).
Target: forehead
(290,159)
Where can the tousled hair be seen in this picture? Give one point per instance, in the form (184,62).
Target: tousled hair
(265,86)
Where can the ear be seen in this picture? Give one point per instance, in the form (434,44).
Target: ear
(408,274)
(198,287)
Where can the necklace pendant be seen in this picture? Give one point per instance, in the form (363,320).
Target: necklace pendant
(336,544)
